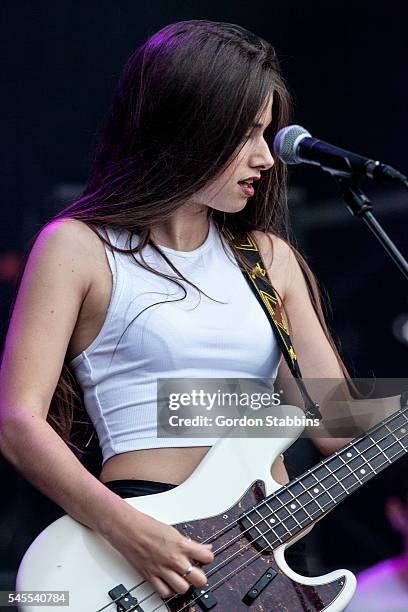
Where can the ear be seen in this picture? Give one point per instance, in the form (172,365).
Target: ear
(397,514)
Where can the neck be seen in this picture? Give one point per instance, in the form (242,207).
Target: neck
(186,230)
(310,496)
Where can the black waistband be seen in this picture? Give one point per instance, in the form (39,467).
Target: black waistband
(136,488)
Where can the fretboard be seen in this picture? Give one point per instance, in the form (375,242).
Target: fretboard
(308,497)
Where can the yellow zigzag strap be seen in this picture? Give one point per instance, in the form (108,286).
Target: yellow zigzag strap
(272,307)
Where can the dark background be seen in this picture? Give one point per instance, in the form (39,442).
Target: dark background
(345,63)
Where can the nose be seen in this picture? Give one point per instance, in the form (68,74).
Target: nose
(262,157)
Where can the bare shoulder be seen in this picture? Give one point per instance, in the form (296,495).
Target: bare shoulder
(53,287)
(68,233)
(279,259)
(69,244)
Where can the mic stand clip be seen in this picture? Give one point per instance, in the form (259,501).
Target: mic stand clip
(360,206)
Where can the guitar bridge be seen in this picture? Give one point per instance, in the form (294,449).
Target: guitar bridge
(125,602)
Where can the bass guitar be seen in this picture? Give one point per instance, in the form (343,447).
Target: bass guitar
(232,501)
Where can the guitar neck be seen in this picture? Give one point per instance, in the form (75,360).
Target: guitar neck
(307,498)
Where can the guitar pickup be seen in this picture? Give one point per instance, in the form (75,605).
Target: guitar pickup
(203,597)
(259,586)
(125,602)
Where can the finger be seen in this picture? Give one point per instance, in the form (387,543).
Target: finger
(186,568)
(196,577)
(161,587)
(199,552)
(175,581)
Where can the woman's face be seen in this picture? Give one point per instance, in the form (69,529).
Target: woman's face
(228,193)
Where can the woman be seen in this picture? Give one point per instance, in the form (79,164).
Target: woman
(188,136)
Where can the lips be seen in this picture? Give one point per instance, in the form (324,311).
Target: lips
(246,185)
(247,189)
(250,179)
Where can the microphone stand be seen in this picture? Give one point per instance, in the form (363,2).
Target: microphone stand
(360,206)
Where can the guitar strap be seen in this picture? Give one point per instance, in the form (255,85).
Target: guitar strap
(268,299)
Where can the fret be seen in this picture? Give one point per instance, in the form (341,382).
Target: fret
(371,467)
(347,476)
(268,529)
(395,449)
(304,508)
(306,495)
(286,517)
(335,462)
(360,464)
(379,433)
(378,461)
(323,477)
(364,469)
(404,416)
(363,444)
(329,481)
(255,526)
(286,500)
(400,420)
(379,448)
(293,515)
(320,472)
(282,518)
(284,514)
(313,506)
(350,471)
(357,462)
(393,434)
(356,459)
(372,452)
(326,490)
(261,538)
(340,483)
(272,522)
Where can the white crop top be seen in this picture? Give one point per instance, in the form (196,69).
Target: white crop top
(192,338)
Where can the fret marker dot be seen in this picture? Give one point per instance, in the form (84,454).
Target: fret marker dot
(272,521)
(349,454)
(403,430)
(362,471)
(316,490)
(293,506)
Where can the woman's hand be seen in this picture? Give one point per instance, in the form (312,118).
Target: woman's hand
(159,552)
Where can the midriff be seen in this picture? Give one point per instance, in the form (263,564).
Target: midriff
(170,465)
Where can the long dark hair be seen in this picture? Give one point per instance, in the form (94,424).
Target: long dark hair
(184,103)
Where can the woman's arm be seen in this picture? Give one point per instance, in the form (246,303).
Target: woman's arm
(316,358)
(56,280)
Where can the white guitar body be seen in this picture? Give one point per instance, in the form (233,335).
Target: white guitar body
(70,557)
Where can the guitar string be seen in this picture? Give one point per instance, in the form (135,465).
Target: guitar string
(261,536)
(227,544)
(264,534)
(306,490)
(313,469)
(240,567)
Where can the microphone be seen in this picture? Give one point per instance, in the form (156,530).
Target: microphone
(295,145)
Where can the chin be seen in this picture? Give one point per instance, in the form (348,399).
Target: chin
(237,208)
(242,206)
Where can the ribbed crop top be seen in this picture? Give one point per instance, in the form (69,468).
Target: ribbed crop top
(191,338)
